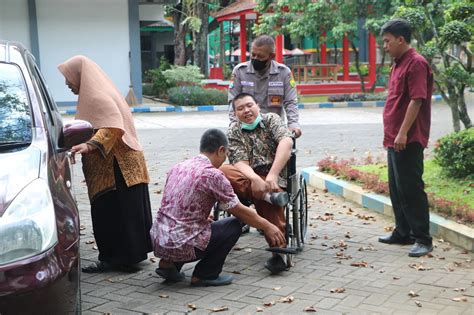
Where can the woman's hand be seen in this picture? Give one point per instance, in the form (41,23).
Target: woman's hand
(82,148)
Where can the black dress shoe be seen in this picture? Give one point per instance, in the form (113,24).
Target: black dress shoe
(391,239)
(419,250)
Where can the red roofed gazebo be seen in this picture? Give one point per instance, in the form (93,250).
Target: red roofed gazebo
(244,10)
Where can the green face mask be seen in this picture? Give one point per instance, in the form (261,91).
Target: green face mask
(253,125)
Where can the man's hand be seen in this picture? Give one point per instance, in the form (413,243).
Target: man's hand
(272,182)
(259,187)
(274,236)
(297,132)
(400,142)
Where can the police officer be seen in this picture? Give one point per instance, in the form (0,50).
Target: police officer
(270,82)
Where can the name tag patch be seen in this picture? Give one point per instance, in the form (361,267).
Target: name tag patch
(275,83)
(247,83)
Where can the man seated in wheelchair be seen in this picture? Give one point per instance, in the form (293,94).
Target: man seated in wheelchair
(184,231)
(259,148)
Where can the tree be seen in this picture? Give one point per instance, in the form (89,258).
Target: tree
(335,18)
(191,17)
(443,30)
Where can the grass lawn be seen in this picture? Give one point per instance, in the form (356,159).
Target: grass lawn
(312,98)
(451,189)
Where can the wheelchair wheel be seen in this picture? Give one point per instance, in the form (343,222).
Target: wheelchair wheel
(303,210)
(291,235)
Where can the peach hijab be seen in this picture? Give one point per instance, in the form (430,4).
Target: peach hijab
(99,102)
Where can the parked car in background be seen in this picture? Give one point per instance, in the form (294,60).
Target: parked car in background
(39,219)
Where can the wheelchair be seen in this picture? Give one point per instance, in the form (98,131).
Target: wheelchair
(296,211)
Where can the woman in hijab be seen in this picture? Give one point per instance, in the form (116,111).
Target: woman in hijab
(114,168)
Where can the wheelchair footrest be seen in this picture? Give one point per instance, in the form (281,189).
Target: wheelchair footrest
(282,250)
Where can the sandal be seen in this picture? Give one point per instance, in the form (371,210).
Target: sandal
(170,274)
(97,267)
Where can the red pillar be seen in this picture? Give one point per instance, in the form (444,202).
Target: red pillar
(345,57)
(243,39)
(322,48)
(372,59)
(279,48)
(323,54)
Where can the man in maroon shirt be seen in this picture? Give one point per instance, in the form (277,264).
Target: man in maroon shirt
(406,119)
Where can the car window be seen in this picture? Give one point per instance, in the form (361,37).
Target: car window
(15,112)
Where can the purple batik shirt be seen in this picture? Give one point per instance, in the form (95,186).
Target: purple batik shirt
(191,190)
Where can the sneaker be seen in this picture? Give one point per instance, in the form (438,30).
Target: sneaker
(419,250)
(276,264)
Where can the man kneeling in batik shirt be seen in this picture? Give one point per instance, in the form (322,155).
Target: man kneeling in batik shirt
(259,148)
(183,230)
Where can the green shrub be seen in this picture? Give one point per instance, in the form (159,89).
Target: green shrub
(183,76)
(160,85)
(196,95)
(455,153)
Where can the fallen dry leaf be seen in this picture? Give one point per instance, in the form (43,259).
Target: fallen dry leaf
(459,299)
(248,250)
(396,278)
(158,191)
(259,309)
(348,235)
(237,248)
(219,309)
(276,288)
(338,222)
(268,304)
(110,280)
(338,290)
(287,299)
(381,271)
(310,309)
(460,289)
(164,296)
(326,237)
(82,227)
(360,264)
(90,242)
(413,294)
(236,272)
(192,306)
(370,247)
(419,267)
(388,228)
(418,303)
(95,247)
(153,259)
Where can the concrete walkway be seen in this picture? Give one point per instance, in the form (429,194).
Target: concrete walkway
(340,234)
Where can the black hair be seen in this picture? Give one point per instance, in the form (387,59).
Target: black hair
(212,140)
(265,40)
(398,27)
(240,96)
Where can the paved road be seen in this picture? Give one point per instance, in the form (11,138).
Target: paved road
(381,287)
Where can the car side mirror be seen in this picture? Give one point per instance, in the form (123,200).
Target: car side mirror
(75,132)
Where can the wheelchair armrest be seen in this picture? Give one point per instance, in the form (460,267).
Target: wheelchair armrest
(282,250)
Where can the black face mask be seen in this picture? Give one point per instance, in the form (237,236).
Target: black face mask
(259,65)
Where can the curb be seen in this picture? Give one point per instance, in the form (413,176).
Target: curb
(455,233)
(223,108)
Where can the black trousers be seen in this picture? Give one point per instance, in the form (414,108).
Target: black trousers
(224,234)
(121,220)
(409,200)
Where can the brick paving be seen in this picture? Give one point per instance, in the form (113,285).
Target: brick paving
(340,233)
